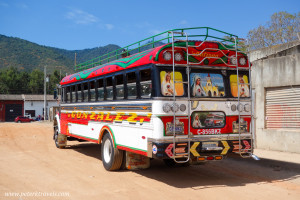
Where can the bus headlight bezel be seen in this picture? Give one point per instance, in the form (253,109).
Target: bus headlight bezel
(182,107)
(175,107)
(166,108)
(167,56)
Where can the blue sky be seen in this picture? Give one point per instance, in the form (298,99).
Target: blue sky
(80,24)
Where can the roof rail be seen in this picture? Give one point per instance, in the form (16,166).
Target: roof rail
(202,33)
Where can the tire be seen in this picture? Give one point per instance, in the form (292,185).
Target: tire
(19,121)
(111,157)
(55,138)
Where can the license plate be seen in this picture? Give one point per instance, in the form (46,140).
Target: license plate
(209,144)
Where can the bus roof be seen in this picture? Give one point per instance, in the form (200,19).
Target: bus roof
(97,66)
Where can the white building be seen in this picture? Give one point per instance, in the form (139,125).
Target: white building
(34,104)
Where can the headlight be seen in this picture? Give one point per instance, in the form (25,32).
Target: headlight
(175,107)
(167,56)
(178,57)
(240,107)
(247,108)
(166,108)
(182,107)
(233,107)
(242,61)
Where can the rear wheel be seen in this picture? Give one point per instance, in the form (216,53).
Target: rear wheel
(111,157)
(59,139)
(19,121)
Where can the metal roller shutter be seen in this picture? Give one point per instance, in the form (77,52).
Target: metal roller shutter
(283,107)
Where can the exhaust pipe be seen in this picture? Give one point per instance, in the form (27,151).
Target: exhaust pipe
(255,157)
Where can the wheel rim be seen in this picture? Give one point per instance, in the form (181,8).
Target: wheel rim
(107,151)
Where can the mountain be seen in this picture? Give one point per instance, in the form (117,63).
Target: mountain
(25,55)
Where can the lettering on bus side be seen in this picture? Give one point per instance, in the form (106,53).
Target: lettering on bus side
(118,117)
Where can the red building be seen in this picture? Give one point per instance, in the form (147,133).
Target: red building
(11,106)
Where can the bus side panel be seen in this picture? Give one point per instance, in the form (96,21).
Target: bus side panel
(132,136)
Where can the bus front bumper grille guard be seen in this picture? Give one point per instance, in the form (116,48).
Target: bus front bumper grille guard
(199,150)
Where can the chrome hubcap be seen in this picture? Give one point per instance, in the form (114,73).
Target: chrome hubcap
(107,151)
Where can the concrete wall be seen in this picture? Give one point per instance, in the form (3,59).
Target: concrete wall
(275,67)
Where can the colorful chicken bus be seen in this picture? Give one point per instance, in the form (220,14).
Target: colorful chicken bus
(172,96)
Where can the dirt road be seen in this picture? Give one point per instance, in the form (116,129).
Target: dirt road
(32,165)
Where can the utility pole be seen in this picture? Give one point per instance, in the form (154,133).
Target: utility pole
(75,60)
(45,95)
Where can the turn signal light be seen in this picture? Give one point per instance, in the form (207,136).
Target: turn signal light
(218,157)
(201,158)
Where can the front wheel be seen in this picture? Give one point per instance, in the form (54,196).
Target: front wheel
(111,157)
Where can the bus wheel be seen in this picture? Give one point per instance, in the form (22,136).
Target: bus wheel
(59,139)
(111,157)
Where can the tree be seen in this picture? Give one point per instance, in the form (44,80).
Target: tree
(36,83)
(283,27)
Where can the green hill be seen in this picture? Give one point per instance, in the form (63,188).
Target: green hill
(25,55)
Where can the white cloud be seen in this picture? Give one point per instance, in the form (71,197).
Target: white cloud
(81,17)
(109,26)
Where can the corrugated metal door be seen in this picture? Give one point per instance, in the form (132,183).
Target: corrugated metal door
(283,107)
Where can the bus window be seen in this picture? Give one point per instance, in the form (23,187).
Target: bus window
(131,85)
(92,91)
(146,85)
(119,86)
(79,93)
(207,85)
(85,92)
(244,86)
(109,89)
(73,90)
(100,90)
(167,86)
(68,96)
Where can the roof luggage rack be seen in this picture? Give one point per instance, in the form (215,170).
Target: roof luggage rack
(196,33)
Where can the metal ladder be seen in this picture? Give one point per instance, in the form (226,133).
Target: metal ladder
(242,152)
(186,155)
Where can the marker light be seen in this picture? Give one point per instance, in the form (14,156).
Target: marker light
(178,57)
(242,61)
(167,56)
(166,108)
(233,60)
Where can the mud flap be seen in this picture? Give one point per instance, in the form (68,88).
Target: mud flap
(62,141)
(136,161)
